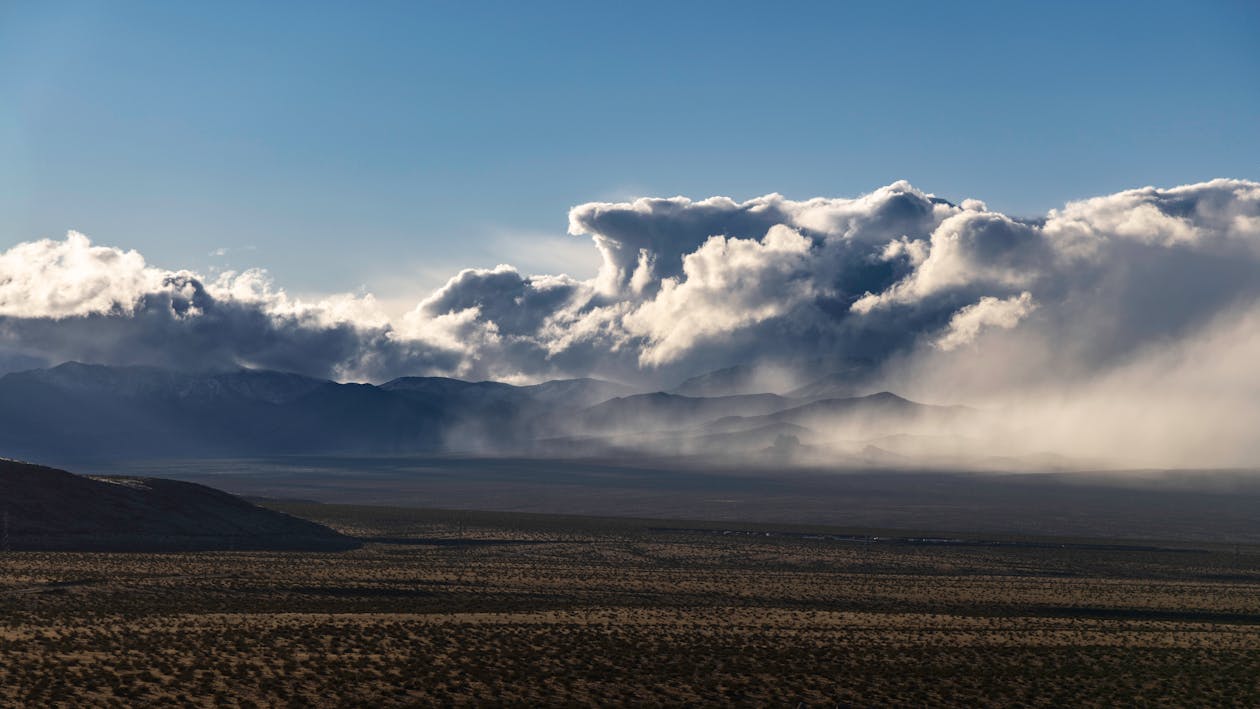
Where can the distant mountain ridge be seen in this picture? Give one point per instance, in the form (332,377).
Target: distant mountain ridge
(80,412)
(649,411)
(813,378)
(274,387)
(85,412)
(575,392)
(881,404)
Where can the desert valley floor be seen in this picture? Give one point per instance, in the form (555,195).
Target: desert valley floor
(1202,505)
(493,608)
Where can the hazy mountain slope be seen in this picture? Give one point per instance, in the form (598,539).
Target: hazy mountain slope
(87,412)
(46,508)
(731,381)
(578,393)
(877,410)
(808,378)
(346,418)
(272,387)
(44,416)
(481,416)
(446,389)
(838,385)
(571,393)
(755,438)
(77,412)
(647,412)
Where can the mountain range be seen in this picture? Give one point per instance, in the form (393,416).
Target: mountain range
(84,412)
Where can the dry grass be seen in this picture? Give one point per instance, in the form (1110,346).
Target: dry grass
(559,611)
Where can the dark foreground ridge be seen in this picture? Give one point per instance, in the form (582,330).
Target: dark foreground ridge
(44,508)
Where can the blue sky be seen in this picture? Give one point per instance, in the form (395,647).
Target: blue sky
(387,145)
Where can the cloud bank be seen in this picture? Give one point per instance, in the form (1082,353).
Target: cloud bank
(897,278)
(71,300)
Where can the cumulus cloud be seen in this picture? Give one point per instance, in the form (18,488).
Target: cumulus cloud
(72,300)
(726,285)
(1216,215)
(969,250)
(504,298)
(897,278)
(59,279)
(967,323)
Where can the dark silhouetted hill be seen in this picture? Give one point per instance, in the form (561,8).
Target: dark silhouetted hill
(46,508)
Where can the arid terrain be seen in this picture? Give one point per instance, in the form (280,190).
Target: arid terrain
(499,608)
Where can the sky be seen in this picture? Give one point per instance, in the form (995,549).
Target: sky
(1046,210)
(382,147)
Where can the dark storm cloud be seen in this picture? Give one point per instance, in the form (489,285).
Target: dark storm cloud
(516,304)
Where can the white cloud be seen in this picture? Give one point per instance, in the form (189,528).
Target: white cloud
(726,284)
(59,279)
(69,299)
(988,312)
(690,285)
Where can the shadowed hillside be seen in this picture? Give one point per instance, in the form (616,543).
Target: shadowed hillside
(46,508)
